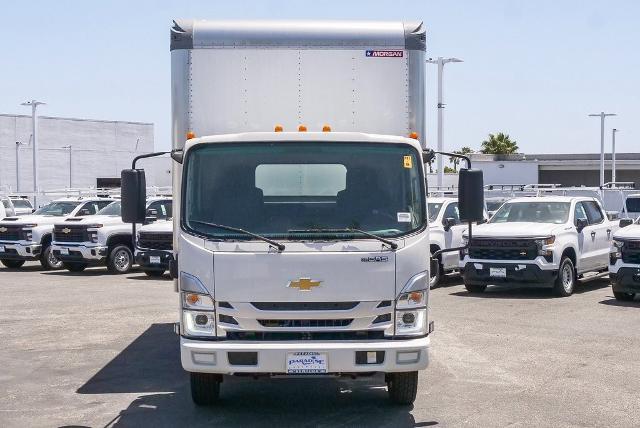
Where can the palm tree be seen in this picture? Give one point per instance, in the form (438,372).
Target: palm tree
(499,144)
(455,161)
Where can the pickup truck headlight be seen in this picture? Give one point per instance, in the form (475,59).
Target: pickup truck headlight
(198,308)
(543,249)
(616,251)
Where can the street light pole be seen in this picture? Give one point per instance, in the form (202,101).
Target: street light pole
(18,144)
(602,115)
(613,154)
(34,132)
(70,164)
(440,61)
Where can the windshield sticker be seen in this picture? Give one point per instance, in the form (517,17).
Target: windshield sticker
(408,162)
(385,54)
(404,217)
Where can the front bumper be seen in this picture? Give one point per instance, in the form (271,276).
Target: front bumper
(20,251)
(80,253)
(143,259)
(479,273)
(213,357)
(626,280)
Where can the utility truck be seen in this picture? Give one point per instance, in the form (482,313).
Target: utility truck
(29,237)
(301,244)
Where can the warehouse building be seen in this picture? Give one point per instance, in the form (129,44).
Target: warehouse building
(77,153)
(564,169)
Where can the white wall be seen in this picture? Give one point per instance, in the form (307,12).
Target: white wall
(508,172)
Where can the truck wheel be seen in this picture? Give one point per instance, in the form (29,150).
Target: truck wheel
(436,273)
(74,266)
(403,387)
(154,273)
(475,288)
(120,259)
(12,264)
(566,280)
(624,297)
(205,388)
(48,260)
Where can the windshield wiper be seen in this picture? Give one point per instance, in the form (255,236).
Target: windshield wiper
(391,244)
(273,243)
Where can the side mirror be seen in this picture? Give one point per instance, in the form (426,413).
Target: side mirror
(471,195)
(134,195)
(624,222)
(448,223)
(581,223)
(33,210)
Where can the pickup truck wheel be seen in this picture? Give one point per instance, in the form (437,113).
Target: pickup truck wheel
(154,273)
(403,387)
(48,260)
(475,288)
(566,280)
(12,264)
(120,259)
(624,297)
(74,266)
(205,388)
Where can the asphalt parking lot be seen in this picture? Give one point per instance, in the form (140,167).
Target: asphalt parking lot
(93,349)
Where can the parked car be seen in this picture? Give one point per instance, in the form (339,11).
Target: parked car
(29,237)
(154,247)
(543,241)
(21,205)
(103,239)
(624,262)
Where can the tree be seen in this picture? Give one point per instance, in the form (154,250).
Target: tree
(449,170)
(455,161)
(499,144)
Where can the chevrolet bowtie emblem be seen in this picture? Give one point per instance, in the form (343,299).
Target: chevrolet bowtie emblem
(66,230)
(304,284)
(3,229)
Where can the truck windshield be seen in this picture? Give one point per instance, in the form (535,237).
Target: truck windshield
(532,212)
(111,209)
(285,190)
(633,205)
(57,209)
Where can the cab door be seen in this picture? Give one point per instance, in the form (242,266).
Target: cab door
(600,233)
(453,236)
(586,239)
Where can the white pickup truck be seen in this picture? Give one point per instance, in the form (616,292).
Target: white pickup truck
(29,237)
(539,241)
(103,239)
(445,231)
(624,262)
(154,247)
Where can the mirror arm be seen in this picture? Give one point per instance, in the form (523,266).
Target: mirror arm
(430,154)
(450,250)
(146,155)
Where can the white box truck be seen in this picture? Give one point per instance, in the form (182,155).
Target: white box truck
(301,243)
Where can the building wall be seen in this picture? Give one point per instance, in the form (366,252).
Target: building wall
(586,177)
(98,149)
(508,172)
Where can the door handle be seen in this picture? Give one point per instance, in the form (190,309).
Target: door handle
(608,233)
(593,234)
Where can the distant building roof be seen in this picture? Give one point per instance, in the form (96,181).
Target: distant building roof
(480,157)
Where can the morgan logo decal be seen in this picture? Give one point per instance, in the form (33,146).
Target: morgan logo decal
(385,54)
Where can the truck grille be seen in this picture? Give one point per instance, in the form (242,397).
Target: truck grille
(303,335)
(156,241)
(304,306)
(322,323)
(631,252)
(70,233)
(12,233)
(503,249)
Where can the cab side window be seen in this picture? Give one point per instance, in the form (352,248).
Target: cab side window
(163,209)
(89,208)
(580,213)
(593,212)
(102,204)
(452,212)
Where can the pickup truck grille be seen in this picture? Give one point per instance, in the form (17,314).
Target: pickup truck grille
(503,249)
(156,241)
(70,233)
(631,252)
(303,323)
(11,233)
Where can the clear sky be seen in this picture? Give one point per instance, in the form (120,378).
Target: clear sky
(534,69)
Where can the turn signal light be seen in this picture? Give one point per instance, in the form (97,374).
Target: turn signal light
(191,135)
(192,299)
(413,135)
(302,128)
(326,128)
(278,128)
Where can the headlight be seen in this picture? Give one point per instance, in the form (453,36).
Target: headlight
(618,244)
(411,323)
(197,301)
(198,307)
(28,235)
(412,299)
(546,241)
(93,236)
(198,323)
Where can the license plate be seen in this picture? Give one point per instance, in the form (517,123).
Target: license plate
(64,251)
(154,260)
(306,363)
(2,249)
(498,272)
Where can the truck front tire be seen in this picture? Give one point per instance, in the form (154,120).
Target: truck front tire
(120,259)
(475,288)
(48,261)
(402,387)
(205,388)
(566,280)
(624,297)
(154,273)
(12,264)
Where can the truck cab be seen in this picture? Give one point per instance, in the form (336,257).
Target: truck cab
(545,241)
(101,240)
(29,237)
(624,262)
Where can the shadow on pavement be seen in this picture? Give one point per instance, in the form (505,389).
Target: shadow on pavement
(524,292)
(145,277)
(151,364)
(614,302)
(34,268)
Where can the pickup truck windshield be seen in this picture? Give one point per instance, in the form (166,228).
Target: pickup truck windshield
(57,209)
(283,190)
(532,212)
(111,209)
